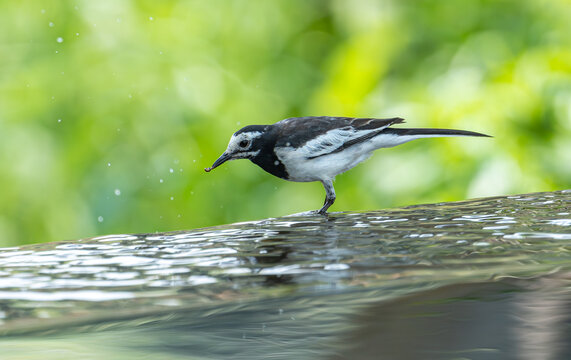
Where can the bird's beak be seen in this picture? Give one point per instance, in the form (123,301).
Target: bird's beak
(221,160)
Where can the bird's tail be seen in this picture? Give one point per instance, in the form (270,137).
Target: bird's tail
(394,136)
(419,133)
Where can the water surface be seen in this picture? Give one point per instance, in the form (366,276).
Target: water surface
(480,279)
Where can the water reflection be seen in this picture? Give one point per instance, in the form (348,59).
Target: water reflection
(298,285)
(507,319)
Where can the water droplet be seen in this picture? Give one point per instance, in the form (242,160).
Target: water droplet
(161,181)
(130,96)
(108,164)
(51,24)
(76,34)
(58,120)
(192,193)
(151,18)
(43,11)
(171,170)
(276,163)
(100,219)
(172,197)
(117,192)
(288,143)
(59,39)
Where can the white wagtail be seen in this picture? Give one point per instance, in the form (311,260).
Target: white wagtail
(317,148)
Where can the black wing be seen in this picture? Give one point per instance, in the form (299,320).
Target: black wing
(298,131)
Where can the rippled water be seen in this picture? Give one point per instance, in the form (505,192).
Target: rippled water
(487,278)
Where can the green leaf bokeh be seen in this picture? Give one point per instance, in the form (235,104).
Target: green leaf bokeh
(109,110)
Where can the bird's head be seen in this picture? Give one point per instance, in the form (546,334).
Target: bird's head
(244,144)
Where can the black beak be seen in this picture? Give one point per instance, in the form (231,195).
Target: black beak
(221,160)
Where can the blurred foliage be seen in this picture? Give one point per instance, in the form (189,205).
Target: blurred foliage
(109,110)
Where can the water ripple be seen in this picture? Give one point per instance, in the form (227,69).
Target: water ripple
(387,249)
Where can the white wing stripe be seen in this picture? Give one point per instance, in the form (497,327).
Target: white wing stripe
(331,140)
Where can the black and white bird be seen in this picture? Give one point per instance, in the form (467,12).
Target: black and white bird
(317,148)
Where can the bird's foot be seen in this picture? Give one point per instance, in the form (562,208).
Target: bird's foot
(323,210)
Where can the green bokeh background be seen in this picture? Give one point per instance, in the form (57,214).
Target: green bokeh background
(110,109)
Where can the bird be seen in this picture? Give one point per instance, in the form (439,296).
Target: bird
(318,148)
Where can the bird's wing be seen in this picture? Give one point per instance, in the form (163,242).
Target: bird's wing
(318,136)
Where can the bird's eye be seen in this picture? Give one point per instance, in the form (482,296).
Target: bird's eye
(244,143)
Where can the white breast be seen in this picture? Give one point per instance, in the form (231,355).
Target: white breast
(324,167)
(301,164)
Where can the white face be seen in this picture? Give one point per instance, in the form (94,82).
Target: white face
(240,144)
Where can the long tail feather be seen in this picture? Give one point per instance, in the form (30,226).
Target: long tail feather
(432,132)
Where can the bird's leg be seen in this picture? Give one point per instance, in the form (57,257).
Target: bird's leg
(329,196)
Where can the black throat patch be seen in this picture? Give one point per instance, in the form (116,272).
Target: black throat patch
(266,158)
